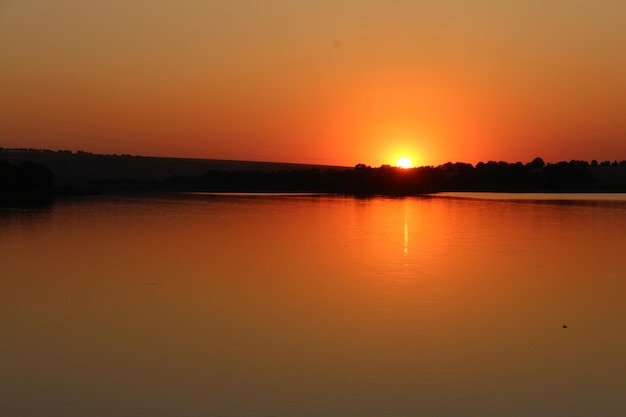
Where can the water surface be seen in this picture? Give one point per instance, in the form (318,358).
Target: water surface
(288,305)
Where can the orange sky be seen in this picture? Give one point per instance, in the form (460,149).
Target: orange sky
(329,82)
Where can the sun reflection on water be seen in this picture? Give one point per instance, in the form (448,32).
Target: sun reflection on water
(406,234)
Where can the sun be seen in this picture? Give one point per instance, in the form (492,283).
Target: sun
(404,162)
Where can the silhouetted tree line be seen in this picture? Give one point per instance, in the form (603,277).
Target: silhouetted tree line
(533,176)
(30,179)
(25,181)
(60,151)
(362,179)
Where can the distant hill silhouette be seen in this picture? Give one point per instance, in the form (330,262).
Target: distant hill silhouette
(82,172)
(81,168)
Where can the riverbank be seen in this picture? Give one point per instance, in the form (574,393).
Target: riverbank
(80,173)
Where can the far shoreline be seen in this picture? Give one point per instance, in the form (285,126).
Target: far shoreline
(33,175)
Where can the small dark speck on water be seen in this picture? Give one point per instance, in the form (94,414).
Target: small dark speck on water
(565,326)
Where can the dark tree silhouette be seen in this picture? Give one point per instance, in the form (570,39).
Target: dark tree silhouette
(27,181)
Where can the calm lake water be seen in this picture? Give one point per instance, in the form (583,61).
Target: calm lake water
(238,305)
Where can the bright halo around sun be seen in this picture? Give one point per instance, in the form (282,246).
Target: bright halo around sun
(404,162)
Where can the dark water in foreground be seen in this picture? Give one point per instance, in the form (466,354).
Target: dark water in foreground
(205,305)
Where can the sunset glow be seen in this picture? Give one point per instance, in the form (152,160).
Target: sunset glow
(312,208)
(295,83)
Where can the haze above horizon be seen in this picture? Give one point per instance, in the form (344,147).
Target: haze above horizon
(331,83)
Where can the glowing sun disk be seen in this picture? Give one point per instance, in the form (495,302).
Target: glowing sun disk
(404,162)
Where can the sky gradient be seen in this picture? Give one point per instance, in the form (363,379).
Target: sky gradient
(325,82)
